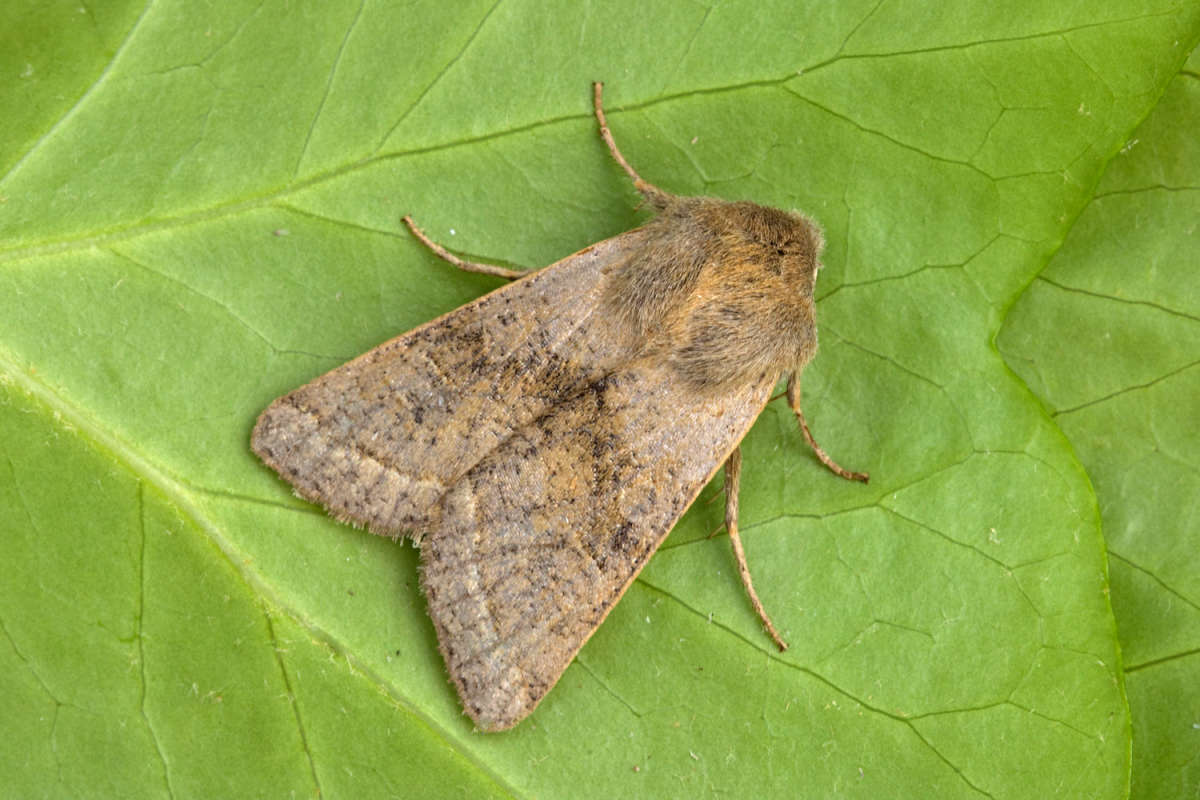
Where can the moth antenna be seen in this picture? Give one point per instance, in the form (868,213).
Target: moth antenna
(793,395)
(469,266)
(733,471)
(715,496)
(654,195)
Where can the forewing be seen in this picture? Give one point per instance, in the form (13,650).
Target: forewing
(379,440)
(538,541)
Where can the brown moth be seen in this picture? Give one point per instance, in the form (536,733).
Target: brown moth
(540,442)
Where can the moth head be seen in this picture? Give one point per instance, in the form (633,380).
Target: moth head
(751,312)
(775,242)
(723,291)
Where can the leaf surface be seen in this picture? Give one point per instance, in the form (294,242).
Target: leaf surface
(200,210)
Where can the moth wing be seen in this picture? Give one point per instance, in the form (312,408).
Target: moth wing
(380,439)
(539,540)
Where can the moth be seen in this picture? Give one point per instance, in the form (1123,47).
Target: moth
(540,442)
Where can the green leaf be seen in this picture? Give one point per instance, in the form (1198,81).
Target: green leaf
(200,210)
(1109,337)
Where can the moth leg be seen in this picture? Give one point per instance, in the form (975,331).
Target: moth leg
(469,266)
(733,471)
(793,396)
(654,195)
